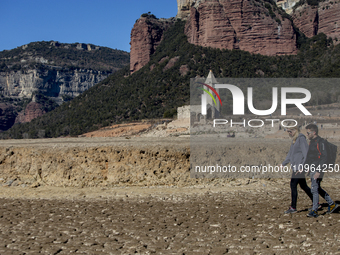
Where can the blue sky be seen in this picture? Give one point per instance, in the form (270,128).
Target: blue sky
(102,22)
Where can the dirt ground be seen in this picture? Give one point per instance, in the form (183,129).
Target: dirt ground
(237,216)
(240,218)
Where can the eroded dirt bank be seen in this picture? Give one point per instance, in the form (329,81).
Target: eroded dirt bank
(105,162)
(135,196)
(88,162)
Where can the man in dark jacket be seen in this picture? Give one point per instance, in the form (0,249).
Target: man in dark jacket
(315,162)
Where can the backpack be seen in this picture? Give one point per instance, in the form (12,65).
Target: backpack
(331,151)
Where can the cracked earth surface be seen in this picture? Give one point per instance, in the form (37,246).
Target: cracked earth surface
(241,219)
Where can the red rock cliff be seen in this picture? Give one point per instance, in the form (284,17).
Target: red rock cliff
(240,24)
(322,19)
(307,20)
(146,35)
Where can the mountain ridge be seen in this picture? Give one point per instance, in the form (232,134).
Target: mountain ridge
(53,70)
(155,91)
(64,55)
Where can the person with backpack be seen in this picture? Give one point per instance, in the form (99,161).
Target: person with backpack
(315,162)
(296,157)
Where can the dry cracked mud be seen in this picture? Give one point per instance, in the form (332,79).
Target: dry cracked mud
(235,219)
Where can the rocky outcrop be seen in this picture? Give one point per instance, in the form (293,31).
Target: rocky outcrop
(33,110)
(250,25)
(329,19)
(324,18)
(306,18)
(7,116)
(146,35)
(247,25)
(183,8)
(184,69)
(58,84)
(50,82)
(56,71)
(171,63)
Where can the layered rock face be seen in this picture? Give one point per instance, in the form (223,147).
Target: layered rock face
(306,18)
(53,83)
(146,35)
(50,82)
(329,19)
(238,24)
(322,19)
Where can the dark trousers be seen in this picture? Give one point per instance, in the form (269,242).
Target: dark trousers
(301,180)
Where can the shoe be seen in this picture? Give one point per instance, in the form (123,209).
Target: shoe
(313,213)
(331,208)
(319,207)
(291,210)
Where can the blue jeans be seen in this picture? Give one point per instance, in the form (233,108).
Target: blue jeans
(316,190)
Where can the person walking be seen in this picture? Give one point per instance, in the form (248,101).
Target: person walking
(296,157)
(315,161)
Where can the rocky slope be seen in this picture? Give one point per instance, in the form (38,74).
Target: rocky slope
(254,26)
(324,18)
(59,85)
(146,35)
(55,70)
